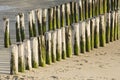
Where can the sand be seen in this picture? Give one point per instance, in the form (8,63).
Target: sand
(99,64)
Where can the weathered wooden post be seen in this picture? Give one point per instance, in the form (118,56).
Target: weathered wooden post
(21,60)
(30,25)
(34,23)
(67,14)
(104,6)
(68,36)
(82,37)
(59,45)
(39,21)
(72,11)
(92,27)
(116,25)
(93,8)
(108,6)
(76,16)
(53,45)
(14,60)
(80,7)
(34,49)
(50,17)
(96,7)
(87,34)
(112,26)
(54,18)
(48,47)
(62,13)
(102,30)
(58,16)
(108,21)
(44,20)
(22,26)
(96,33)
(75,38)
(90,8)
(7,41)
(63,43)
(101,6)
(41,51)
(112,5)
(28,59)
(83,9)
(86,9)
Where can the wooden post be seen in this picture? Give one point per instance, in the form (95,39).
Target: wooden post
(86,9)
(82,36)
(112,26)
(44,20)
(58,16)
(67,14)
(41,51)
(53,45)
(21,63)
(87,34)
(39,21)
(75,38)
(14,60)
(7,41)
(48,47)
(34,48)
(112,5)
(22,26)
(83,9)
(80,10)
(59,45)
(34,23)
(93,8)
(102,30)
(27,49)
(68,36)
(30,25)
(90,8)
(108,6)
(92,27)
(62,13)
(72,11)
(101,6)
(96,33)
(50,17)
(96,7)
(76,16)
(63,43)
(54,18)
(108,28)
(104,6)
(116,25)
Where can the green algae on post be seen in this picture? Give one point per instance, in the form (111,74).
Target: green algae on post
(7,41)
(108,28)
(90,9)
(68,36)
(86,9)
(50,17)
(14,60)
(34,48)
(58,17)
(54,18)
(80,10)
(96,33)
(44,20)
(75,38)
(41,51)
(48,47)
(27,49)
(22,26)
(76,16)
(82,37)
(62,13)
(102,30)
(53,45)
(87,35)
(72,11)
(39,21)
(115,25)
(21,63)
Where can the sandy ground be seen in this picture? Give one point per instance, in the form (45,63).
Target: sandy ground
(99,64)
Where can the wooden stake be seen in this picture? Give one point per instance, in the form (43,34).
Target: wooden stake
(75,40)
(63,43)
(102,30)
(53,45)
(87,34)
(41,51)
(80,10)
(50,17)
(116,25)
(68,36)
(48,47)
(96,33)
(34,48)
(54,18)
(21,63)
(62,13)
(58,17)
(27,49)
(72,12)
(7,41)
(76,16)
(90,8)
(14,60)
(44,21)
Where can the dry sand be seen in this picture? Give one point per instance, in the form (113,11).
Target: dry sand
(99,64)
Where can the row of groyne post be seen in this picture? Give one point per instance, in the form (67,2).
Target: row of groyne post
(61,31)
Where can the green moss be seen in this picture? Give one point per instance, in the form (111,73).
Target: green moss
(27,64)
(102,38)
(82,45)
(76,47)
(21,67)
(107,34)
(96,39)
(22,34)
(68,49)
(88,46)
(63,52)
(6,39)
(53,55)
(34,64)
(18,38)
(43,25)
(58,55)
(34,30)
(39,27)
(92,35)
(117,31)
(30,31)
(112,31)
